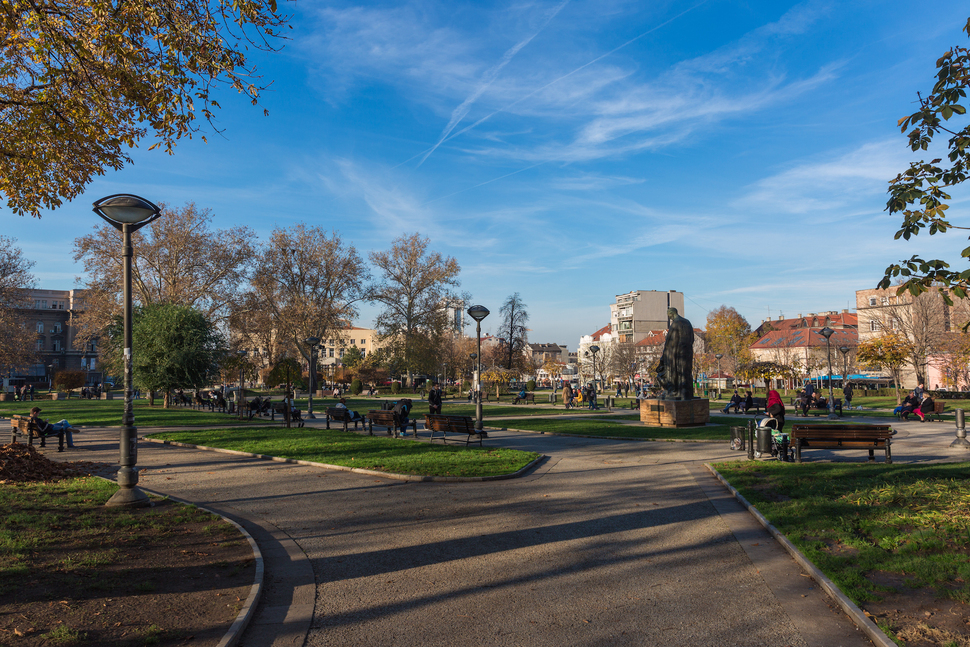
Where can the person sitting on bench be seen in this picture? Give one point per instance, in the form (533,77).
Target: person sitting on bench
(47,429)
(735,402)
(354,416)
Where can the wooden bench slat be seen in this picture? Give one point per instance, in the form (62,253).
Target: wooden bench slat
(452,424)
(868,437)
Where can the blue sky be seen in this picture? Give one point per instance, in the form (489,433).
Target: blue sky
(736,151)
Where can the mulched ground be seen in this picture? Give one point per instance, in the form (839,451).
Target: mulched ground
(170,579)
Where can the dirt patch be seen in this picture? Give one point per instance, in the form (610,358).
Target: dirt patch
(21,463)
(167,575)
(918,616)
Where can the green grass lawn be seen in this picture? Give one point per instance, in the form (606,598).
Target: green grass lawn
(108,413)
(857,522)
(349,449)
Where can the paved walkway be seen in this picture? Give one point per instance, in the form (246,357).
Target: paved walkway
(605,543)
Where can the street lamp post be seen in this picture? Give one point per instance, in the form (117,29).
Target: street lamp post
(594,350)
(50,378)
(478,313)
(827,333)
(718,357)
(127,213)
(239,394)
(475,376)
(312,341)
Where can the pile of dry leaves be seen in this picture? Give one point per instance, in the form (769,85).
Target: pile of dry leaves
(21,463)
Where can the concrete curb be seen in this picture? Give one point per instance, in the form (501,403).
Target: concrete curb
(248,609)
(358,470)
(848,606)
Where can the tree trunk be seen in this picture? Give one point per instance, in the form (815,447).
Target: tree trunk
(167,403)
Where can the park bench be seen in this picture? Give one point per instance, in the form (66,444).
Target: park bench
(869,437)
(341,414)
(819,408)
(388,419)
(528,397)
(280,408)
(938,409)
(24,426)
(452,425)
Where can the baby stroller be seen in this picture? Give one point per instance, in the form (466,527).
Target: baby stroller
(779,445)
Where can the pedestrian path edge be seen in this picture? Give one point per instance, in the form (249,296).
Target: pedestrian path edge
(848,606)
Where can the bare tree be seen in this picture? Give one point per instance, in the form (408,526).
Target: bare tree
(178,259)
(922,322)
(415,289)
(16,338)
(513,332)
(309,283)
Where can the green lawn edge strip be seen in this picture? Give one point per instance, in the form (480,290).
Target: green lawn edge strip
(650,440)
(359,470)
(848,606)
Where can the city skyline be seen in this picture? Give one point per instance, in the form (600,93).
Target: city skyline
(572,151)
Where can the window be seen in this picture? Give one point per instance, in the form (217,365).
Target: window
(342,352)
(363,341)
(40,304)
(56,328)
(56,345)
(873,325)
(331,352)
(885,301)
(40,327)
(93,346)
(40,344)
(872,301)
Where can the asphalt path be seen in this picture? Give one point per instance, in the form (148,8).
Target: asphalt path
(605,542)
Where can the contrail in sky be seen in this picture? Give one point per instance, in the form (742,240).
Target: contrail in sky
(447,136)
(489,77)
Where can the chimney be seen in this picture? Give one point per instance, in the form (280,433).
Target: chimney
(845,311)
(781,317)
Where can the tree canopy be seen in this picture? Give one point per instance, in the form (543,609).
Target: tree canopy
(81,80)
(729,334)
(175,346)
(513,332)
(17,339)
(920,194)
(415,289)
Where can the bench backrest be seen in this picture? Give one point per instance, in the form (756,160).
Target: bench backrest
(438,422)
(939,407)
(841,431)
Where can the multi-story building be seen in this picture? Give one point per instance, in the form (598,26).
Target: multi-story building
(332,350)
(928,323)
(799,344)
(634,315)
(52,314)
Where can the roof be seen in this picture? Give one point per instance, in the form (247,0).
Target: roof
(802,337)
(653,338)
(836,320)
(602,331)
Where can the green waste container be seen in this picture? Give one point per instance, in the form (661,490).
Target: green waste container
(738,434)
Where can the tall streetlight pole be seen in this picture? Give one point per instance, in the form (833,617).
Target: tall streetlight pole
(312,342)
(475,376)
(239,394)
(478,313)
(718,356)
(827,333)
(127,213)
(594,350)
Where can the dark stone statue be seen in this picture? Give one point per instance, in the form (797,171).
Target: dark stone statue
(675,372)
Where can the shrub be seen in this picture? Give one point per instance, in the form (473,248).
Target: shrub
(530,385)
(356,387)
(395,387)
(69,380)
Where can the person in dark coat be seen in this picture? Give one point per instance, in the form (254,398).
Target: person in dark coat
(925,407)
(434,399)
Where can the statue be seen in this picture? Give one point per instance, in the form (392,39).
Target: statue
(675,373)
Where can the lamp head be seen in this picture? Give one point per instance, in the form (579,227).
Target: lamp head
(478,313)
(595,349)
(719,356)
(826,332)
(124,209)
(844,350)
(312,341)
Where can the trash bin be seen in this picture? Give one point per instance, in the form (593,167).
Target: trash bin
(738,435)
(763,444)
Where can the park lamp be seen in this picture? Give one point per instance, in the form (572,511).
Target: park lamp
(127,213)
(827,333)
(594,350)
(478,313)
(718,357)
(845,364)
(312,343)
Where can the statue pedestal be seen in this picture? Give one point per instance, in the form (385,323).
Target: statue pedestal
(675,413)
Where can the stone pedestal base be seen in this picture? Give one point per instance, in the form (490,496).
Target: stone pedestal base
(107,395)
(675,413)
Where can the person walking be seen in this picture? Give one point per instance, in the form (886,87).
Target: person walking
(847,392)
